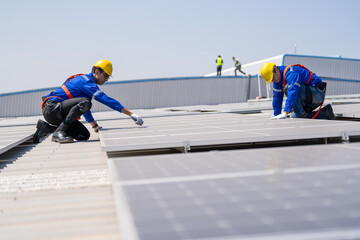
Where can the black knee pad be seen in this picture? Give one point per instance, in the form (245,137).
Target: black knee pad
(83,136)
(84,106)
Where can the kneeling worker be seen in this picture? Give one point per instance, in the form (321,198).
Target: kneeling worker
(304,90)
(63,107)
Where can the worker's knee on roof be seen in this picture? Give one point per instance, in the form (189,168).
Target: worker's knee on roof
(83,136)
(328,112)
(84,106)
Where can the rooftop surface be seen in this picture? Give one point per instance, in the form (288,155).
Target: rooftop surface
(200,172)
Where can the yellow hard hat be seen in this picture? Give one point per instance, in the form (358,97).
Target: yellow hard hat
(266,71)
(105,65)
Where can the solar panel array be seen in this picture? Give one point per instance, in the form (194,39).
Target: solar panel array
(304,192)
(216,129)
(260,194)
(348,110)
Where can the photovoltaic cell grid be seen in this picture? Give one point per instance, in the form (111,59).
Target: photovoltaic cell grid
(281,193)
(216,162)
(215,129)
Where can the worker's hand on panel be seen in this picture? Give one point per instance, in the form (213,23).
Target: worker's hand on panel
(138,120)
(280,116)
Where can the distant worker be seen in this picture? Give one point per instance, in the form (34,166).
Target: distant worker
(63,107)
(219,62)
(305,92)
(237,66)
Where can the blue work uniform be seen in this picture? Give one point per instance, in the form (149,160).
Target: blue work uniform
(295,77)
(84,86)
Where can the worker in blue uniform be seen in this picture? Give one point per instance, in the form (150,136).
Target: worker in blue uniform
(305,92)
(63,107)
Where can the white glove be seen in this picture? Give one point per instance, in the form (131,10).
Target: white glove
(97,128)
(138,120)
(280,116)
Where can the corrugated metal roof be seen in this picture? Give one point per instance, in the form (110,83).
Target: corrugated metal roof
(53,191)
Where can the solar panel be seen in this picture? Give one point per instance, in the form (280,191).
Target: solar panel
(215,129)
(306,192)
(13,136)
(347,110)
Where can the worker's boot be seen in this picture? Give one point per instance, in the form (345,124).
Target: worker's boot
(43,129)
(328,113)
(61,137)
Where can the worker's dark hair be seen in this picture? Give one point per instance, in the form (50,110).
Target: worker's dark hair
(219,55)
(94,68)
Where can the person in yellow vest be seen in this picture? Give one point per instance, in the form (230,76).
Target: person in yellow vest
(219,62)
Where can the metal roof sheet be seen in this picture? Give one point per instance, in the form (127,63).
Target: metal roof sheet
(54,191)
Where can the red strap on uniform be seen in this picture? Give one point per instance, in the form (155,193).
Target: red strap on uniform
(298,65)
(67,91)
(317,113)
(67,80)
(73,76)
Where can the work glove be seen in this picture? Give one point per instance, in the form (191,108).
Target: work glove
(138,120)
(280,116)
(96,128)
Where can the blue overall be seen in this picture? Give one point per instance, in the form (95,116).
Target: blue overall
(302,98)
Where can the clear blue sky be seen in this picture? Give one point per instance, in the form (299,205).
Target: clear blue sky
(44,42)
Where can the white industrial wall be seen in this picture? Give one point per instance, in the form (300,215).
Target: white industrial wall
(143,94)
(157,93)
(329,67)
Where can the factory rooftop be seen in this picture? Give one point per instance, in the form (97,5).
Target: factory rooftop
(221,171)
